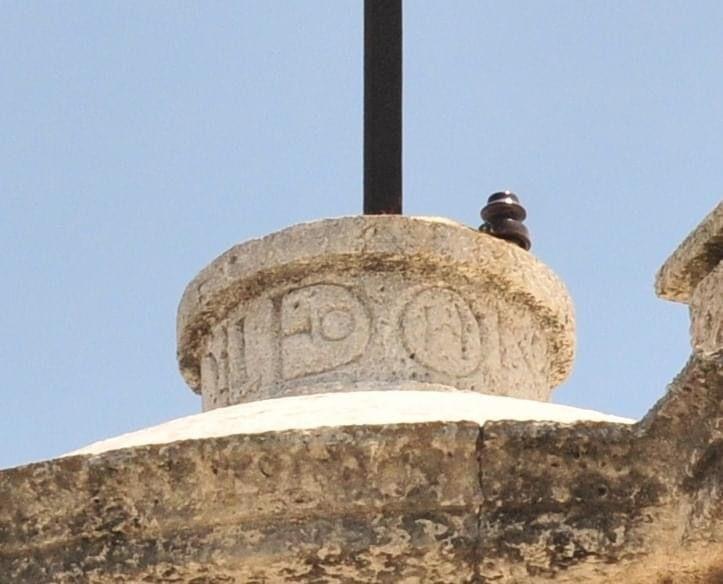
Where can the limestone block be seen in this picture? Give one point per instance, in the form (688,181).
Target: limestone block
(694,259)
(335,304)
(706,311)
(437,502)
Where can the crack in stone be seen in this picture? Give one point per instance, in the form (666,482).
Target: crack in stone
(477,548)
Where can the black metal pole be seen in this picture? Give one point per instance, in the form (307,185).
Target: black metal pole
(382,107)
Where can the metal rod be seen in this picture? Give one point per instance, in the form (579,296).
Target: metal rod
(382,107)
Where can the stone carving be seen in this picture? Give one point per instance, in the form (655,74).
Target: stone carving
(441,332)
(308,330)
(319,330)
(209,373)
(216,367)
(323,327)
(224,369)
(340,304)
(236,349)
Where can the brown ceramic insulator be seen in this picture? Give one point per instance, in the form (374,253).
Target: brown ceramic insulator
(503,216)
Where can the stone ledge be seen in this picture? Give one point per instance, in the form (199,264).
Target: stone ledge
(694,259)
(514,502)
(388,405)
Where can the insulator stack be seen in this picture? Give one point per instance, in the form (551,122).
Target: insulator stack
(503,216)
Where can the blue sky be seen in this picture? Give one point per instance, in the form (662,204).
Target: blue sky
(138,140)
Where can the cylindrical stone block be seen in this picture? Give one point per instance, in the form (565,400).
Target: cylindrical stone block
(374,302)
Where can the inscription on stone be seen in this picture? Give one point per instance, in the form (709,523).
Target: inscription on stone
(441,332)
(322,327)
(374,303)
(236,349)
(209,373)
(303,332)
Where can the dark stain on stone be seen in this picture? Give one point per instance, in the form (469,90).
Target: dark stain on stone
(714,576)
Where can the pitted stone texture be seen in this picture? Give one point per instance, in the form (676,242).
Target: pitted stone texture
(439,503)
(706,311)
(388,504)
(694,259)
(375,298)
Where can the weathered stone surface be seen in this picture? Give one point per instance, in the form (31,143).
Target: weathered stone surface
(706,312)
(694,259)
(339,302)
(422,501)
(521,502)
(333,505)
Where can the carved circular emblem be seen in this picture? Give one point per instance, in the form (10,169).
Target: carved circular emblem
(441,332)
(336,325)
(323,326)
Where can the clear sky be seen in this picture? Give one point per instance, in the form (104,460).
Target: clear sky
(138,140)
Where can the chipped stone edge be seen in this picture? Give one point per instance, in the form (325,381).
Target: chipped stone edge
(697,256)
